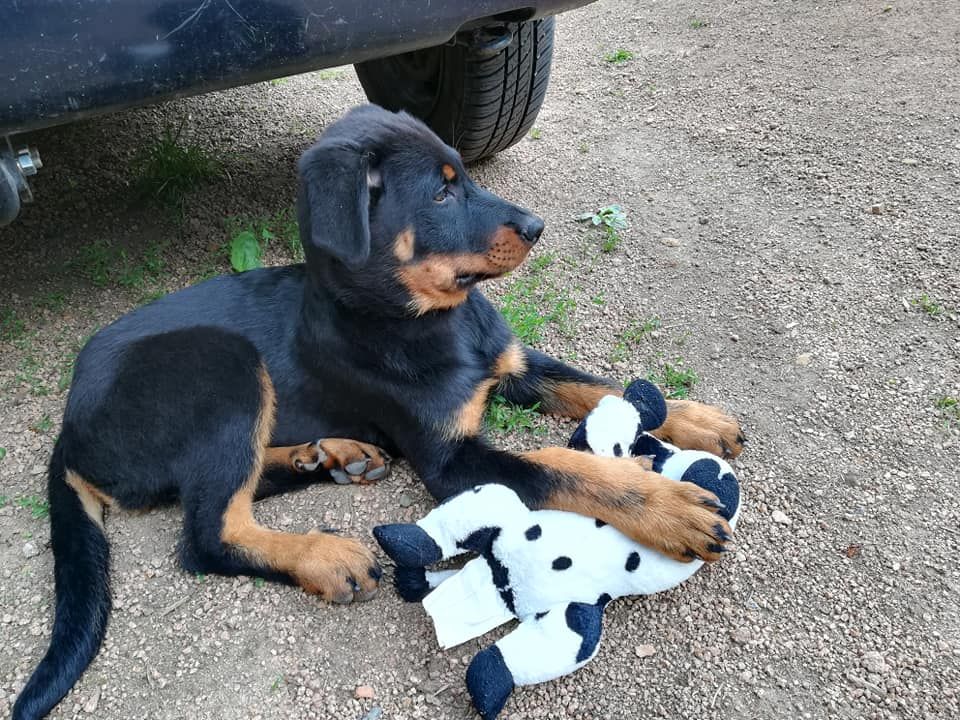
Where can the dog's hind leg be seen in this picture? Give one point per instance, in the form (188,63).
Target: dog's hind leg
(221,534)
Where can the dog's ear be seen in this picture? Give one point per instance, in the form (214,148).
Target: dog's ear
(334,201)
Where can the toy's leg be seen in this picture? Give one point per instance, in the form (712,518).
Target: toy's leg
(413,584)
(453,527)
(543,647)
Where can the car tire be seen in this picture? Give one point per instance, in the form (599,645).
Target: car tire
(478,101)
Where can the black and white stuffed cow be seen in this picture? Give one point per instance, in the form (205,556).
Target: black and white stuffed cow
(554,571)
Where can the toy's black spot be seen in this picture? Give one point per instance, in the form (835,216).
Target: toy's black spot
(540,615)
(587,622)
(562,563)
(476,488)
(481,542)
(533,532)
(633,562)
(617,450)
(600,523)
(603,600)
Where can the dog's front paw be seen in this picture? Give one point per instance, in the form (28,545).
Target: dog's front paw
(337,569)
(697,426)
(689,521)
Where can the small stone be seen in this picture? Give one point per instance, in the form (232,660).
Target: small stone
(643,651)
(90,706)
(364,692)
(30,550)
(873,662)
(803,359)
(780,517)
(910,161)
(877,209)
(406,500)
(741,636)
(670,241)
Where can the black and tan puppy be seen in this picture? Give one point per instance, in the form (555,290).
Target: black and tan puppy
(216,395)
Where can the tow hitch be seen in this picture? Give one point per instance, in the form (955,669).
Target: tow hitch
(15,168)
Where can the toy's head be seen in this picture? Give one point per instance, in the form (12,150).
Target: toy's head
(613,427)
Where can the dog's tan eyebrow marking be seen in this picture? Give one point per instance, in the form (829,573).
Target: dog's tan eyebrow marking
(403,245)
(449,174)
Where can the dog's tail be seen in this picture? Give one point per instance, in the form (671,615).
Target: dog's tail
(82,581)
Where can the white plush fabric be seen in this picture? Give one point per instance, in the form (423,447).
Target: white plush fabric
(554,571)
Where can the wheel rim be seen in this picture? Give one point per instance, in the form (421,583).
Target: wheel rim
(414,80)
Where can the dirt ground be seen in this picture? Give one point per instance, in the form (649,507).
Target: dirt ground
(790,172)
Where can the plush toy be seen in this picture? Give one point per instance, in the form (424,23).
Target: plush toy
(554,571)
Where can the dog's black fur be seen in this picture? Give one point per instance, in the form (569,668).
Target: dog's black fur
(379,338)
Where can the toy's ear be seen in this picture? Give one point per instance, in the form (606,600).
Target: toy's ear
(648,401)
(334,200)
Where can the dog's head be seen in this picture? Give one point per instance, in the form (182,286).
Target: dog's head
(389,216)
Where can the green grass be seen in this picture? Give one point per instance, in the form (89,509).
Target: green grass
(507,417)
(52,301)
(698,23)
(168,169)
(277,82)
(611,220)
(249,238)
(43,425)
(618,56)
(28,373)
(531,303)
(103,264)
(535,133)
(950,408)
(631,337)
(928,305)
(675,380)
(259,582)
(331,74)
(38,507)
(12,328)
(3,453)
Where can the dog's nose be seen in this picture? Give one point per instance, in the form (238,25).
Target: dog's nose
(530,229)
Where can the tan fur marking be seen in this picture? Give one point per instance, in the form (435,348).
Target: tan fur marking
(449,173)
(91,497)
(655,511)
(319,562)
(469,418)
(432,282)
(573,399)
(403,245)
(511,361)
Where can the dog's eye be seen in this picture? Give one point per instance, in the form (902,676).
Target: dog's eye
(442,193)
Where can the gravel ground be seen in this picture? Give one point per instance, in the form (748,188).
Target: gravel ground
(791,173)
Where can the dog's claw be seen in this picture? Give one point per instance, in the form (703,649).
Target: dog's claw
(376,473)
(357,467)
(340,477)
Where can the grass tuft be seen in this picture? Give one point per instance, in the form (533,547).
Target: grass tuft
(675,380)
(167,169)
(631,337)
(533,302)
(611,220)
(507,417)
(618,56)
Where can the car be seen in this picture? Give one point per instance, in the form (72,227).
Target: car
(475,70)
